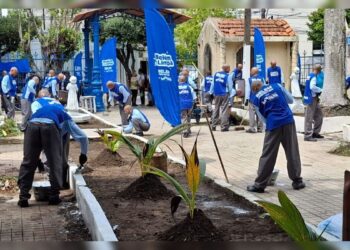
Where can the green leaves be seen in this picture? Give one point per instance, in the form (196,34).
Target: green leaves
(288,217)
(9,128)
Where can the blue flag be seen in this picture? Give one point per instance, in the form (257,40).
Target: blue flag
(259,53)
(78,69)
(108,59)
(162,65)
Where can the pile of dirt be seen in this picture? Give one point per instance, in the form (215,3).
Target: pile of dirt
(108,159)
(200,228)
(147,187)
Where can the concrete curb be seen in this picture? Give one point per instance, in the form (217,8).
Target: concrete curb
(93,215)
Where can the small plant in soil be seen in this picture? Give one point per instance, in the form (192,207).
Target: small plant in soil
(196,226)
(148,186)
(144,155)
(111,141)
(289,218)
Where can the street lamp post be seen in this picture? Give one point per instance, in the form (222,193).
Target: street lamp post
(96,74)
(87,69)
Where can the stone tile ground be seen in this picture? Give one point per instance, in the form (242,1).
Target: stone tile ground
(322,172)
(39,222)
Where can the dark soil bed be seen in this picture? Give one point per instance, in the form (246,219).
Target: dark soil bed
(93,123)
(233,218)
(337,111)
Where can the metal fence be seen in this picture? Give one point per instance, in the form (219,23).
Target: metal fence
(307,63)
(39,68)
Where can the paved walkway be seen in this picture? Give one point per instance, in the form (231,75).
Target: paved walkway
(39,222)
(322,172)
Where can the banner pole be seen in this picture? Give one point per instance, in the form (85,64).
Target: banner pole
(212,135)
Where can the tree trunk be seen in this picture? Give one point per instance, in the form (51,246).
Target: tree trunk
(334,39)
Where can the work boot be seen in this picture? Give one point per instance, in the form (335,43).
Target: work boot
(213,128)
(253,188)
(23,203)
(186,134)
(251,130)
(318,136)
(310,139)
(298,185)
(224,129)
(139,133)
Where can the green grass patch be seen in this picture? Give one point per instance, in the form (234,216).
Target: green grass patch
(9,128)
(343,149)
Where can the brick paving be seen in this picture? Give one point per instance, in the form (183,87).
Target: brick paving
(39,222)
(322,172)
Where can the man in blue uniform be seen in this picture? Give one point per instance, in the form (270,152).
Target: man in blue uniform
(347,83)
(137,120)
(28,96)
(222,90)
(236,74)
(205,86)
(275,74)
(68,128)
(187,97)
(43,133)
(271,103)
(121,93)
(313,113)
(50,83)
(9,89)
(249,94)
(2,97)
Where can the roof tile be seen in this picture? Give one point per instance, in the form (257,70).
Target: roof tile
(269,27)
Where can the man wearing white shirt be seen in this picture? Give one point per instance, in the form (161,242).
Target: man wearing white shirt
(28,97)
(137,120)
(121,93)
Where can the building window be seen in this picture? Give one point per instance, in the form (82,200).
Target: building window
(207,58)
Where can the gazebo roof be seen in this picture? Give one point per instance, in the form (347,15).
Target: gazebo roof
(178,17)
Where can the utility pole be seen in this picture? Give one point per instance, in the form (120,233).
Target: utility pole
(263,13)
(246,47)
(247,22)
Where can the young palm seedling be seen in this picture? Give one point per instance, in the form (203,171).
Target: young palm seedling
(196,226)
(289,218)
(111,141)
(144,155)
(148,186)
(195,170)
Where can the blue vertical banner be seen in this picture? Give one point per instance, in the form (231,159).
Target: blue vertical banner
(108,59)
(78,69)
(259,52)
(162,65)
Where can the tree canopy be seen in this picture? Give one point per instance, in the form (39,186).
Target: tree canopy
(131,36)
(316,25)
(186,34)
(10,39)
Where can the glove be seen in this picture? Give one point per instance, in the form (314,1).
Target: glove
(246,103)
(82,159)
